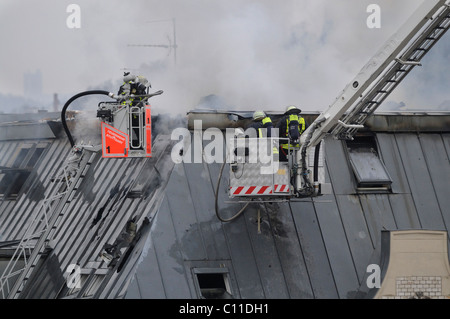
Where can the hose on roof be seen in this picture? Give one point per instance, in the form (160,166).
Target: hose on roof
(73,98)
(225,220)
(316,162)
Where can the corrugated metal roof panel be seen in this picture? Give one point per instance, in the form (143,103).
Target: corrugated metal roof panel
(390,155)
(102,197)
(305,266)
(418,176)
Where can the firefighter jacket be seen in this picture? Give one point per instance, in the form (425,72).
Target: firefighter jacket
(263,127)
(291,126)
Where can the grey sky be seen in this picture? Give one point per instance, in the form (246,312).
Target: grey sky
(254,53)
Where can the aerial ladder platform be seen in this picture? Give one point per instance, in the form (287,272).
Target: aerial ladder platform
(301,176)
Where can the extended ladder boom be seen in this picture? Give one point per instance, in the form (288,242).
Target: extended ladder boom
(378,78)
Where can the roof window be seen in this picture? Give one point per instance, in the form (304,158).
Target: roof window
(14,175)
(368,168)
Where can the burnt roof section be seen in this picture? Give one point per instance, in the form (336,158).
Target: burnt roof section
(379,122)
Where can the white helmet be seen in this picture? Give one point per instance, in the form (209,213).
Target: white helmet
(129,77)
(292,107)
(258,115)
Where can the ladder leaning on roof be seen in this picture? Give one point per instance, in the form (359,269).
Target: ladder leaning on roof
(394,74)
(382,73)
(42,227)
(376,80)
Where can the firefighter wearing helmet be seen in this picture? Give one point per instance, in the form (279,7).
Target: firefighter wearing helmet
(264,127)
(133,85)
(290,126)
(262,124)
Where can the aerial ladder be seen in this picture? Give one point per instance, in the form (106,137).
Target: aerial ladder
(301,176)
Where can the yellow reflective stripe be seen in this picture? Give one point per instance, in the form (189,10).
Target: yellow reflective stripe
(286,146)
(293,117)
(266,120)
(301,123)
(260,134)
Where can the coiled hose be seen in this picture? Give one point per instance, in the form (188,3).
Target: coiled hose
(225,220)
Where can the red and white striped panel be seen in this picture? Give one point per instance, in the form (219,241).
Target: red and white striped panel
(281,189)
(258,190)
(250,190)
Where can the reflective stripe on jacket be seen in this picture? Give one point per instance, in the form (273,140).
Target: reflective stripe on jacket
(301,128)
(267,124)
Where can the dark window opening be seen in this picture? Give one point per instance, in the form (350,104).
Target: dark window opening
(14,176)
(11,182)
(368,168)
(213,285)
(20,157)
(35,157)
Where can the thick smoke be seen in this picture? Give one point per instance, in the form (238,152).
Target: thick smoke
(253,54)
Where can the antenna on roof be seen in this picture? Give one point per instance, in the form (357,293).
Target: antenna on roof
(169,46)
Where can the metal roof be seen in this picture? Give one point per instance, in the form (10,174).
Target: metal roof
(316,248)
(112,192)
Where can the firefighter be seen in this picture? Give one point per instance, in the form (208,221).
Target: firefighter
(291,126)
(140,87)
(264,128)
(133,85)
(125,89)
(262,124)
(131,91)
